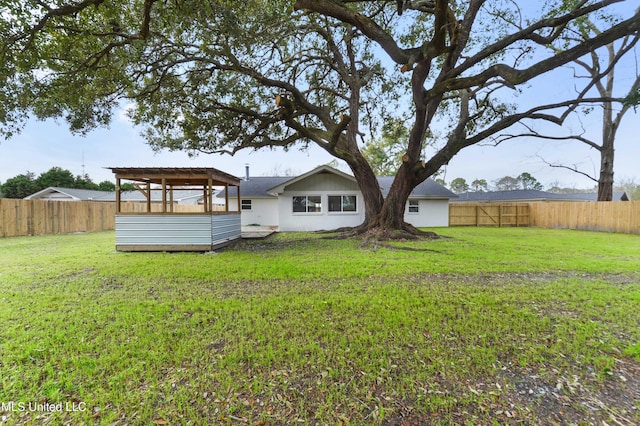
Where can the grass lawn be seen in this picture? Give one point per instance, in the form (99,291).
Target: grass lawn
(489,326)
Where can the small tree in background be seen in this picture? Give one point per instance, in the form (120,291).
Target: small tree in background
(529,182)
(479,185)
(507,183)
(459,185)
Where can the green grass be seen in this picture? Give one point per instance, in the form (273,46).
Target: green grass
(301,329)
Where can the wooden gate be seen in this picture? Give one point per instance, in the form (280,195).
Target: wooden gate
(489,214)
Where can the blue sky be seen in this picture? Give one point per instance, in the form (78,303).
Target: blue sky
(43,145)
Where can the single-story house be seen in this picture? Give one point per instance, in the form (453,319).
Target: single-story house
(180,196)
(528,195)
(327,198)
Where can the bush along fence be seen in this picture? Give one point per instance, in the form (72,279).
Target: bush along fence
(37,217)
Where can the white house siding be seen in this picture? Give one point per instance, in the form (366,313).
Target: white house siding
(264,212)
(325,220)
(322,185)
(431,213)
(323,182)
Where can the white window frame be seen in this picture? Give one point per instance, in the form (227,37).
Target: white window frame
(413,206)
(307,212)
(242,205)
(342,211)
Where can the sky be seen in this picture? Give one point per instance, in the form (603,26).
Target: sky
(46,144)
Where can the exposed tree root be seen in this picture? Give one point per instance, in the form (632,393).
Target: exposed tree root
(378,236)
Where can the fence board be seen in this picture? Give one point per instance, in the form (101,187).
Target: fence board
(606,216)
(38,217)
(489,214)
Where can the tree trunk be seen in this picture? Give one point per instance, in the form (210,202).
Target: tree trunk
(391,216)
(605,182)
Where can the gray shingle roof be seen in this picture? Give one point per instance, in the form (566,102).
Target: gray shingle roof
(256,187)
(93,195)
(80,194)
(427,189)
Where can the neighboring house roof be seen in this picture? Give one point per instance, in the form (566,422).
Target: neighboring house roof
(72,194)
(530,195)
(75,194)
(593,196)
(179,195)
(269,187)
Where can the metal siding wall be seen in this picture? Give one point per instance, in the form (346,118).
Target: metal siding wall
(171,230)
(225,228)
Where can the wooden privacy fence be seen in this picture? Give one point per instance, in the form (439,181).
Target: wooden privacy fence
(618,216)
(489,214)
(37,217)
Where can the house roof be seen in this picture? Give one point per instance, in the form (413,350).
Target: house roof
(74,193)
(94,195)
(530,195)
(268,187)
(427,189)
(593,196)
(255,187)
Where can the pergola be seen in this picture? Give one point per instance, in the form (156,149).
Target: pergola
(166,230)
(170,178)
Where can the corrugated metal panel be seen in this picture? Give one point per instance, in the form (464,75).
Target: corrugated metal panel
(156,230)
(171,232)
(225,228)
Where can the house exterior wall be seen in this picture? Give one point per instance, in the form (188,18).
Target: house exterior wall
(316,221)
(324,182)
(431,213)
(264,212)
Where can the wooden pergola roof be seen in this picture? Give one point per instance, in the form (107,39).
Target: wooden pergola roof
(176,176)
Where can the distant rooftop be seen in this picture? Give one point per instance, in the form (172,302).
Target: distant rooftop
(531,195)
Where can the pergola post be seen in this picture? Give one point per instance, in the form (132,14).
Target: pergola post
(164,195)
(226,198)
(118,195)
(148,194)
(239,205)
(210,193)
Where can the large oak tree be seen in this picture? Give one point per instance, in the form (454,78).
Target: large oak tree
(220,76)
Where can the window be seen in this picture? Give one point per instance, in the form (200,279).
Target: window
(245,204)
(342,203)
(307,204)
(414,206)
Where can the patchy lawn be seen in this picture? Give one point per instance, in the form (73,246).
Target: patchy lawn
(515,326)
